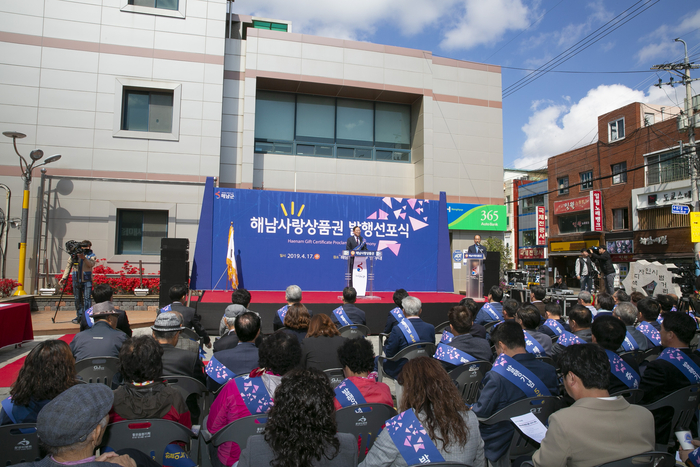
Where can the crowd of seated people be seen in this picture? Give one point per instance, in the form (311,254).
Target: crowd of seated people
(589,360)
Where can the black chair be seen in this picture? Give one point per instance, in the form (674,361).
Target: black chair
(468,378)
(421,349)
(684,403)
(637,354)
(695,340)
(365,421)
(97,369)
(633,396)
(383,336)
(490,325)
(541,407)
(646,459)
(18,444)
(189,334)
(149,436)
(546,359)
(190,387)
(237,431)
(441,327)
(353,331)
(336,375)
(652,353)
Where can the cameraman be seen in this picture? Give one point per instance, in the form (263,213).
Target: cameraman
(605,266)
(82,263)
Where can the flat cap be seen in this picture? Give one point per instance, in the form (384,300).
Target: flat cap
(104,309)
(234,310)
(73,414)
(168,321)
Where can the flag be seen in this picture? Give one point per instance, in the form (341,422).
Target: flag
(231,260)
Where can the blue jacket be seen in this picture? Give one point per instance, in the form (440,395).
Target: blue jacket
(355,315)
(497,393)
(397,342)
(482,317)
(241,360)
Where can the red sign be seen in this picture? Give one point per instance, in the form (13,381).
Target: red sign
(572,205)
(541,228)
(531,253)
(596,211)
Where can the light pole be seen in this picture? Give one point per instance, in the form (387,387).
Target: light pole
(26,168)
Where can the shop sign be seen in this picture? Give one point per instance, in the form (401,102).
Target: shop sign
(541,226)
(530,253)
(620,247)
(476,217)
(596,211)
(572,205)
(663,198)
(572,246)
(621,258)
(661,240)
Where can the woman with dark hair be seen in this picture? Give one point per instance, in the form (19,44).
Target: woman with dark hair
(301,429)
(297,321)
(357,361)
(144,394)
(48,370)
(432,403)
(320,347)
(278,354)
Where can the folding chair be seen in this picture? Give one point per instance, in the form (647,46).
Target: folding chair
(336,375)
(441,327)
(468,378)
(633,396)
(546,359)
(353,331)
(637,354)
(18,445)
(421,349)
(237,432)
(490,325)
(645,459)
(187,387)
(97,369)
(149,436)
(684,403)
(365,421)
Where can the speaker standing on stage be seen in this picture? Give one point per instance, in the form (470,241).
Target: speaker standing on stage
(82,265)
(477,247)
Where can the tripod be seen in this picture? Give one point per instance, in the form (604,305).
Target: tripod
(70,271)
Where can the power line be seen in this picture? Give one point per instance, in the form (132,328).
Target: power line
(580,72)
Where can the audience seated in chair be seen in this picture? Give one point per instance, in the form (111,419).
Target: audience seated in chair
(667,304)
(143,394)
(239,360)
(499,390)
(279,353)
(103,293)
(190,317)
(48,370)
(227,330)
(301,429)
(485,315)
(102,339)
(609,333)
(391,320)
(356,357)
(477,330)
(580,319)
(604,304)
(553,323)
(586,299)
(348,313)
(176,362)
(293,296)
(635,340)
(476,348)
(296,321)
(537,295)
(529,318)
(596,429)
(510,309)
(649,309)
(431,400)
(320,347)
(241,297)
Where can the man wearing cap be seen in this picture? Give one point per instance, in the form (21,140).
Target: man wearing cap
(102,339)
(239,360)
(176,362)
(228,339)
(69,430)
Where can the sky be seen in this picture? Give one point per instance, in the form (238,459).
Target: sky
(544,114)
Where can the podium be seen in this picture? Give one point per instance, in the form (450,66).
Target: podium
(474,262)
(360,271)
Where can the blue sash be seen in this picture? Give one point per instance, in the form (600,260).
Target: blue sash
(7,406)
(491,312)
(447,337)
(620,369)
(447,353)
(282,312)
(681,361)
(660,319)
(411,439)
(673,308)
(694,457)
(532,346)
(254,394)
(342,316)
(359,247)
(166,308)
(175,456)
(629,343)
(88,318)
(650,332)
(554,325)
(398,314)
(408,331)
(348,394)
(218,371)
(567,338)
(521,377)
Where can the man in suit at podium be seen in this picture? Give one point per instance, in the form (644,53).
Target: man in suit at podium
(355,242)
(477,247)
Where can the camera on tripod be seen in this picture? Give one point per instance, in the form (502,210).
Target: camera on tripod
(684,276)
(75,248)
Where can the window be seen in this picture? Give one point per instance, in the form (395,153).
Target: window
(171,8)
(616,130)
(139,232)
(620,217)
(563,185)
(666,167)
(332,127)
(165,4)
(270,25)
(579,222)
(619,172)
(587,180)
(147,111)
(661,218)
(528,238)
(648,119)
(529,205)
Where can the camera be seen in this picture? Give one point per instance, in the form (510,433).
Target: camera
(75,248)
(684,276)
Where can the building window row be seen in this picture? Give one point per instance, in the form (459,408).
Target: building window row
(587,180)
(164,4)
(666,167)
(332,127)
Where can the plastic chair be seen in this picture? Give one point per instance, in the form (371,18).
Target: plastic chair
(336,375)
(189,334)
(490,325)
(637,354)
(365,421)
(421,349)
(17,447)
(441,327)
(652,353)
(188,386)
(353,331)
(97,369)
(149,436)
(684,403)
(646,459)
(633,396)
(468,378)
(546,359)
(541,407)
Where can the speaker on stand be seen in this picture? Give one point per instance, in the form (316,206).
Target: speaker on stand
(492,264)
(174,266)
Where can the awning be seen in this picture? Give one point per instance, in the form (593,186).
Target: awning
(564,253)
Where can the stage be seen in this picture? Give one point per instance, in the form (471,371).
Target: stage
(212,304)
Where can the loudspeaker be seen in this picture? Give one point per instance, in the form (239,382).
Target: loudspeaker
(174,266)
(492,264)
(174,249)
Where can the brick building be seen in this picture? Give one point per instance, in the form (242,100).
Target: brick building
(631,176)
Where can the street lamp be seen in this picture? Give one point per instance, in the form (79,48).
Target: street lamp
(26,168)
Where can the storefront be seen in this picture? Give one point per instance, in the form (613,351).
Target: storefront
(563,254)
(534,260)
(663,245)
(620,245)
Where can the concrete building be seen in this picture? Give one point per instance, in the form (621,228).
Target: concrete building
(512,180)
(146,98)
(532,244)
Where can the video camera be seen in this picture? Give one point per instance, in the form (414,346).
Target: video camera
(684,276)
(75,248)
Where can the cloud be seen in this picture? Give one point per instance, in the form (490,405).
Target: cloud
(554,128)
(660,45)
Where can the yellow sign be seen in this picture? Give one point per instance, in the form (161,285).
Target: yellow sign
(572,246)
(695,227)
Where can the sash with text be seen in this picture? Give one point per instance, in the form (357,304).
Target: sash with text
(218,371)
(254,394)
(623,372)
(681,361)
(650,332)
(449,354)
(521,377)
(348,394)
(342,316)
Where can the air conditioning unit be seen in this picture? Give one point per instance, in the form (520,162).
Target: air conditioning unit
(682,122)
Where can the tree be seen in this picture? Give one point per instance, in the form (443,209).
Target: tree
(496,244)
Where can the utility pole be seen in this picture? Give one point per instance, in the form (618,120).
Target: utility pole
(687,121)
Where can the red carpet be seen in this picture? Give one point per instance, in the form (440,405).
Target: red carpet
(263,296)
(8,373)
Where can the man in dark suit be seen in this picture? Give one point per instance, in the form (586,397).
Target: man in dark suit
(190,318)
(477,247)
(354,314)
(461,320)
(241,359)
(398,340)
(391,321)
(537,294)
(494,300)
(102,339)
(605,265)
(176,362)
(609,333)
(103,293)
(356,240)
(552,311)
(529,318)
(580,319)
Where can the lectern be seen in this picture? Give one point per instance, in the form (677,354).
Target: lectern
(474,262)
(359,271)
